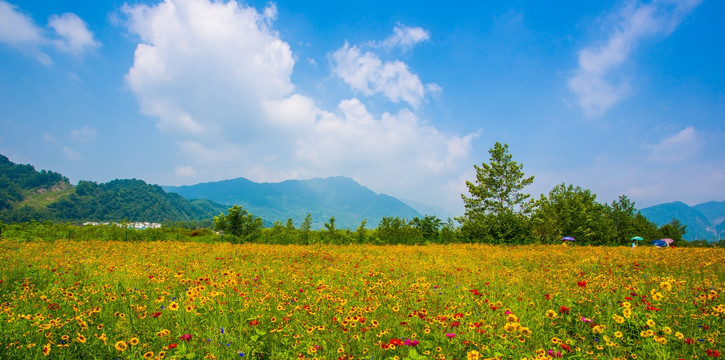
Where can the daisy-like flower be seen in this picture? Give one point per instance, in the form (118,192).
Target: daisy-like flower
(121,346)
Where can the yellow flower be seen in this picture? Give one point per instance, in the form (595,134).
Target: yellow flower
(173,306)
(148,355)
(121,346)
(667,330)
(650,323)
(473,355)
(666,285)
(551,314)
(618,334)
(133,341)
(627,313)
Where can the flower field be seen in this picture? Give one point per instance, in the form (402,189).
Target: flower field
(184,300)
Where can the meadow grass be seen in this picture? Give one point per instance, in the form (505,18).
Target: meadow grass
(182,300)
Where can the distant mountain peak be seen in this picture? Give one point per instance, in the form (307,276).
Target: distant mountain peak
(339,196)
(701,220)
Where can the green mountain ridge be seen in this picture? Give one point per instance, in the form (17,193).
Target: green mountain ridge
(349,202)
(26,194)
(703,221)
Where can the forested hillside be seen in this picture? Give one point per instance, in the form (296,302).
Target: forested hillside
(26,194)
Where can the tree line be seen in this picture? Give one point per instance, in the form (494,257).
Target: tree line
(497,211)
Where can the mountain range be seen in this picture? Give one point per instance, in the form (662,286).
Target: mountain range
(349,202)
(704,221)
(27,194)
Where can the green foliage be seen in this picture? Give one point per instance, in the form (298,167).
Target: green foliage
(497,209)
(240,223)
(427,227)
(16,179)
(673,230)
(571,211)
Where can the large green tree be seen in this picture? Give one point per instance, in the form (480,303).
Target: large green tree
(239,222)
(571,211)
(497,208)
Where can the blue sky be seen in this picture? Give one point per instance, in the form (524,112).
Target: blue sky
(619,97)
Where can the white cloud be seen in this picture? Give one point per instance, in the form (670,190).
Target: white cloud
(17,28)
(185,171)
(679,147)
(406,37)
(70,154)
(75,37)
(84,134)
(218,79)
(594,83)
(365,72)
(20,31)
(203,68)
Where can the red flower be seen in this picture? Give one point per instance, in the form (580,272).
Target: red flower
(689,341)
(396,342)
(564,310)
(565,347)
(156,314)
(172,346)
(254,323)
(581,283)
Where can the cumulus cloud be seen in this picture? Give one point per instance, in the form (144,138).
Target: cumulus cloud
(201,64)
(595,82)
(75,37)
(676,148)
(18,29)
(217,77)
(365,72)
(406,37)
(84,134)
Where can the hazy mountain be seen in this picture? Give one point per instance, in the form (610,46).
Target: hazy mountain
(714,211)
(426,209)
(341,197)
(699,225)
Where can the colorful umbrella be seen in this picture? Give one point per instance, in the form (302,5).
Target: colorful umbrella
(636,238)
(567,238)
(659,243)
(668,240)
